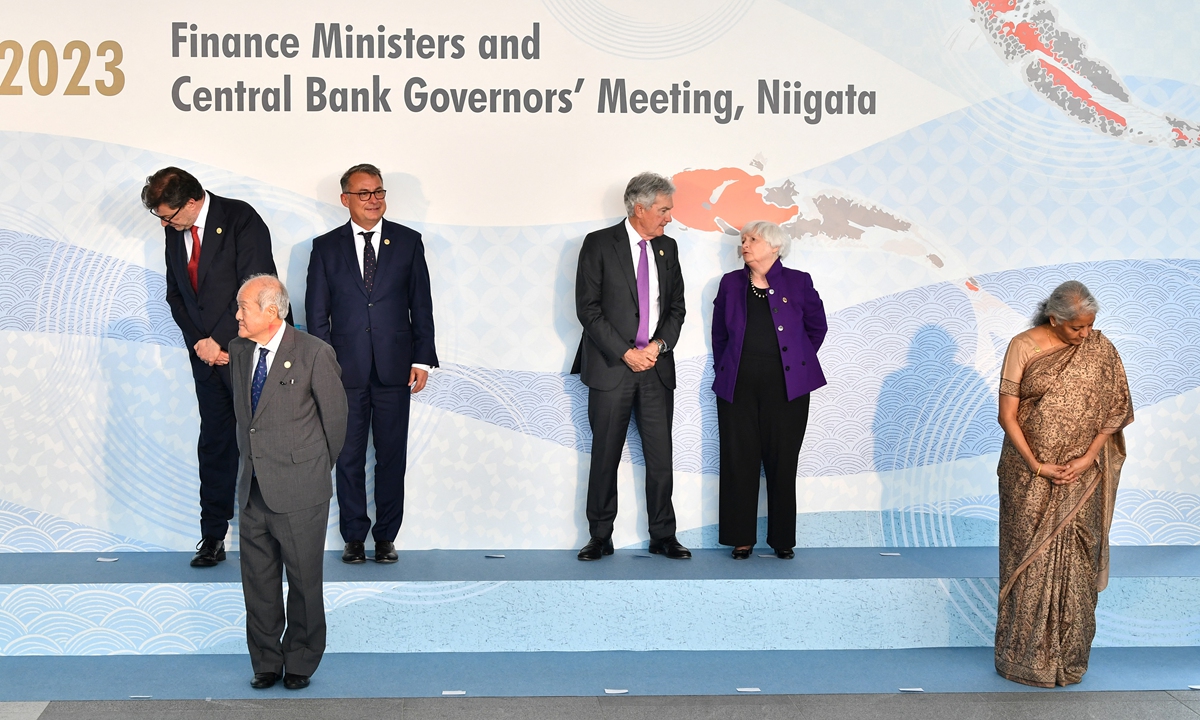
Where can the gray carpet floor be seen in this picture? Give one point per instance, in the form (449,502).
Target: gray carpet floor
(1009,706)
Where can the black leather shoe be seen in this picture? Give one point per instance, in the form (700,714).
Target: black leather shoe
(263,680)
(385,552)
(784,553)
(595,548)
(295,682)
(670,547)
(741,553)
(209,552)
(354,553)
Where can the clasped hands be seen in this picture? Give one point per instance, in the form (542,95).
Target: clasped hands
(210,352)
(1068,473)
(641,360)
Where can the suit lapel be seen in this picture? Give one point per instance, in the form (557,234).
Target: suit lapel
(350,251)
(280,367)
(214,237)
(240,374)
(625,259)
(660,262)
(179,260)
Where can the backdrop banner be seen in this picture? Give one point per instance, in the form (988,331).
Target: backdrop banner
(940,166)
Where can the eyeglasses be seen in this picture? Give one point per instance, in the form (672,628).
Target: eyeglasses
(365,195)
(167,221)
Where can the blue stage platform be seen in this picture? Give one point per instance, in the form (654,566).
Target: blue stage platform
(85,626)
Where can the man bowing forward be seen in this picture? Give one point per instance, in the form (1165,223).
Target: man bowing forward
(368,296)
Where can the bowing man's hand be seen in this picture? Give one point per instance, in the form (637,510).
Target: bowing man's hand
(417,378)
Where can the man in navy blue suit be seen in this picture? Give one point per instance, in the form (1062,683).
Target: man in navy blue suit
(368,296)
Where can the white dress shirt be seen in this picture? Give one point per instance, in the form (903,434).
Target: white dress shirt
(201,221)
(636,250)
(360,244)
(272,347)
(360,248)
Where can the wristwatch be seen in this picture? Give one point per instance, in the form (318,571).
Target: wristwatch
(662,346)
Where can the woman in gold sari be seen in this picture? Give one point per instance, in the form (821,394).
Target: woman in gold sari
(1063,402)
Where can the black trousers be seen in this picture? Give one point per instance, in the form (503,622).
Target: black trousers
(382,409)
(644,395)
(759,430)
(217,451)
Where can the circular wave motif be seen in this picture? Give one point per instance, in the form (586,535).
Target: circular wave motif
(692,26)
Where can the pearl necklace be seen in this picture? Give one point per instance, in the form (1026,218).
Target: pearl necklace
(759,293)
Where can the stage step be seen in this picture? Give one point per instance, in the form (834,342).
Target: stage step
(462,601)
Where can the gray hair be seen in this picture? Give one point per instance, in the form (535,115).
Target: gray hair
(644,189)
(770,233)
(1067,302)
(272,293)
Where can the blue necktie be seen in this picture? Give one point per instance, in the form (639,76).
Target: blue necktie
(260,379)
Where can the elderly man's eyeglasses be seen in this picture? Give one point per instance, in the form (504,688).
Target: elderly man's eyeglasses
(167,220)
(365,195)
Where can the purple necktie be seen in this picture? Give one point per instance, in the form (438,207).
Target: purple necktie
(643,283)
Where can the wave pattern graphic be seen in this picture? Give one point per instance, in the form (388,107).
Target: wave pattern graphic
(902,392)
(614,32)
(167,619)
(23,529)
(1141,517)
(54,287)
(1150,309)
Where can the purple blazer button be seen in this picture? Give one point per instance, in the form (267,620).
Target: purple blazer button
(780,328)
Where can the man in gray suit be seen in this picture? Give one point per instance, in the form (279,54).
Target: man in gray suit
(291,422)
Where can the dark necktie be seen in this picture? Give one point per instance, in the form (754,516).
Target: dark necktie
(194,260)
(368,260)
(643,288)
(260,379)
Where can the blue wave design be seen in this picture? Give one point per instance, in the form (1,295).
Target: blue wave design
(54,287)
(23,529)
(1150,309)
(898,395)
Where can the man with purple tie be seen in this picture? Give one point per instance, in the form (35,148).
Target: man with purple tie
(629,299)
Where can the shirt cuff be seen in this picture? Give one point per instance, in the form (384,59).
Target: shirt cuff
(422,366)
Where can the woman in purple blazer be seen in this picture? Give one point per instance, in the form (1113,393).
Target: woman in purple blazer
(768,322)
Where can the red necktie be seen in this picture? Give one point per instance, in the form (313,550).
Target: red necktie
(194,262)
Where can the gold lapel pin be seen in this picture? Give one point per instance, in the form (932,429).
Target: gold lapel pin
(660,252)
(387,242)
(218,231)
(287,363)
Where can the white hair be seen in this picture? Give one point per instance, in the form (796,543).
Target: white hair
(770,233)
(1067,302)
(644,189)
(272,293)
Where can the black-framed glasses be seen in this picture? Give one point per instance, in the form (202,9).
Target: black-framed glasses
(168,220)
(365,195)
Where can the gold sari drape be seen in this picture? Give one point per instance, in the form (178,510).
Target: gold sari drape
(1054,538)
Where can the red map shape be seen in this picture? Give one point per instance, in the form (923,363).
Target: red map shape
(739,202)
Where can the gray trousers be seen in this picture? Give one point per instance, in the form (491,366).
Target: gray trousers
(271,542)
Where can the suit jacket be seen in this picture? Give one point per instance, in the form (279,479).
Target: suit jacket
(293,439)
(799,317)
(236,244)
(393,327)
(607,305)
